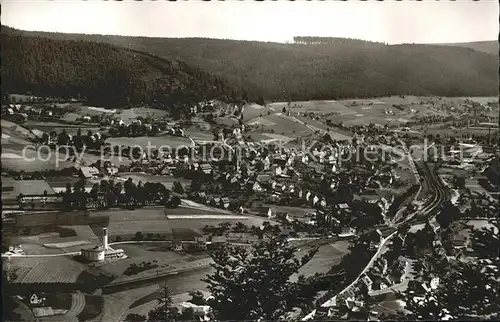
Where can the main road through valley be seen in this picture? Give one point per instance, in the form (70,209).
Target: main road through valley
(439,195)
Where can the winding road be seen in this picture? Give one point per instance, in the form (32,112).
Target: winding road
(428,212)
(131,242)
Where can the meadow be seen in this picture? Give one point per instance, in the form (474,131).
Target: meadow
(125,223)
(167,181)
(47,270)
(327,256)
(155,141)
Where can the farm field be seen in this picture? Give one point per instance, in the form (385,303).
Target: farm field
(130,114)
(8,140)
(14,130)
(27,187)
(190,281)
(252,111)
(90,158)
(167,181)
(170,227)
(199,135)
(464,132)
(143,308)
(372,111)
(148,252)
(322,107)
(155,141)
(483,100)
(185,203)
(326,257)
(315,125)
(349,112)
(228,121)
(53,243)
(47,270)
(13,159)
(154,220)
(24,311)
(92,308)
(46,126)
(280,125)
(295,212)
(180,284)
(115,305)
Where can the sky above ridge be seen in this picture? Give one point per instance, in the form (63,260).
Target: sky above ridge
(389,21)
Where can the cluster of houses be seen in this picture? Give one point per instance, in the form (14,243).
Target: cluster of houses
(19,113)
(204,241)
(217,202)
(140,127)
(98,170)
(265,170)
(380,276)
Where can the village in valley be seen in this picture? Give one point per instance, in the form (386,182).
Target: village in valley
(126,216)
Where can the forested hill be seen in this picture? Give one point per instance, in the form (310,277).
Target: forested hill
(489,47)
(104,74)
(330,69)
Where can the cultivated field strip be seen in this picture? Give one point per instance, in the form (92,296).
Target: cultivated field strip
(46,273)
(67,244)
(21,272)
(77,304)
(151,226)
(84,232)
(220,217)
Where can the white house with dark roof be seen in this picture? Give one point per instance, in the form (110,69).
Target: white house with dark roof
(35,299)
(195,166)
(267,163)
(225,202)
(257,187)
(206,168)
(89,172)
(367,281)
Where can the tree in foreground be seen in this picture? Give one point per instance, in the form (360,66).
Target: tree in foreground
(251,284)
(133,317)
(9,305)
(467,289)
(197,298)
(165,311)
(177,187)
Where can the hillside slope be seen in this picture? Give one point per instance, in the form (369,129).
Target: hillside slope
(344,68)
(489,47)
(105,74)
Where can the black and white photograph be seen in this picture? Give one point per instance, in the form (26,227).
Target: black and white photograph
(168,161)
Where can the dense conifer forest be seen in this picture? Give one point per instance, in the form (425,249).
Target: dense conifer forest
(310,68)
(104,74)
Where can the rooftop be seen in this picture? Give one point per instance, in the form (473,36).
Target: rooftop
(264,178)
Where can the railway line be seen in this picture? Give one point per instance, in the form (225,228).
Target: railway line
(427,212)
(440,195)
